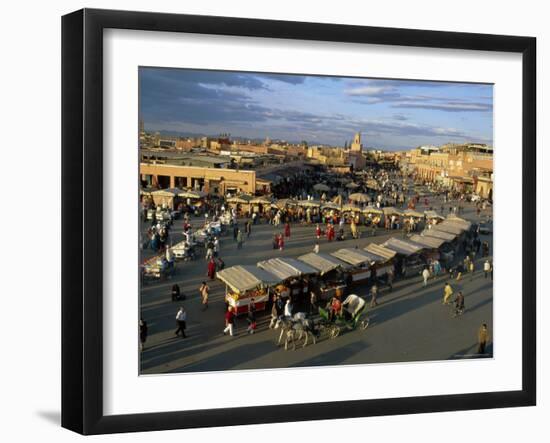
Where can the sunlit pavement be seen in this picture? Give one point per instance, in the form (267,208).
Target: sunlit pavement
(409,324)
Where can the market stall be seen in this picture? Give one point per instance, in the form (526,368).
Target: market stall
(167,198)
(360,261)
(392,217)
(260,205)
(157,268)
(382,258)
(331,281)
(244,283)
(293,274)
(409,258)
(241,203)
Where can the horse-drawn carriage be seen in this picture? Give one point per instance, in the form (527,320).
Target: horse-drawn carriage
(351,316)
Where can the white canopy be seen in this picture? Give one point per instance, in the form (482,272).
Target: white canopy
(285,268)
(465,224)
(379,250)
(403,247)
(244,278)
(428,242)
(391,210)
(322,262)
(355,257)
(192,194)
(447,236)
(449,227)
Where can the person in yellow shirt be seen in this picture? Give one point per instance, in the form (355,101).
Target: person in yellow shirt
(447,293)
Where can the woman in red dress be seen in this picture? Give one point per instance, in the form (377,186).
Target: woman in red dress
(281,242)
(211,269)
(287,229)
(318,232)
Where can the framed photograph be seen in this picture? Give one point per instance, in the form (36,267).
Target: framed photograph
(269,221)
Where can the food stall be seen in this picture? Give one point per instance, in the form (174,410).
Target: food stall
(431,245)
(331,281)
(260,205)
(157,267)
(409,258)
(167,198)
(433,218)
(390,212)
(382,258)
(243,283)
(294,276)
(360,261)
(373,214)
(241,203)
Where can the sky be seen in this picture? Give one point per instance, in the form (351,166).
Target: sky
(390,114)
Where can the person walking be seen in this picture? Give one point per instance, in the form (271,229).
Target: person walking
(447,293)
(248,228)
(390,277)
(316,248)
(318,232)
(425,276)
(251,317)
(181,320)
(471,269)
(373,295)
(239,239)
(459,304)
(211,269)
(204,291)
(482,339)
(175,292)
(142,333)
(287,230)
(487,268)
(229,321)
(281,242)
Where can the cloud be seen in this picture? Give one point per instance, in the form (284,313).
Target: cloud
(450,106)
(285,78)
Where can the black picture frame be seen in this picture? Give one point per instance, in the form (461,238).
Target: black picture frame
(82,173)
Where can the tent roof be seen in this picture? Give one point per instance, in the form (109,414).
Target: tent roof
(352,256)
(403,247)
(314,203)
(413,213)
(433,214)
(390,210)
(192,194)
(243,198)
(169,192)
(372,210)
(447,236)
(244,278)
(381,251)
(285,268)
(459,221)
(427,241)
(322,262)
(449,227)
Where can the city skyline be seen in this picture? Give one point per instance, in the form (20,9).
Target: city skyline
(391,114)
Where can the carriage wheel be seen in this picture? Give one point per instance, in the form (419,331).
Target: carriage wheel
(365,323)
(334,332)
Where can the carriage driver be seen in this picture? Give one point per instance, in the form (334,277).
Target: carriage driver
(352,306)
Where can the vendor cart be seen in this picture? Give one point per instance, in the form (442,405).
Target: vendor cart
(245,284)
